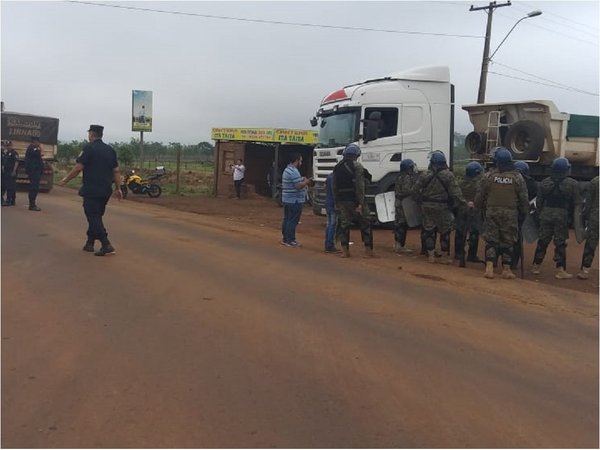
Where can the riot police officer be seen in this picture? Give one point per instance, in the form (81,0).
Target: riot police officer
(503,198)
(468,221)
(403,188)
(557,195)
(438,193)
(10,161)
(349,199)
(34,165)
(523,168)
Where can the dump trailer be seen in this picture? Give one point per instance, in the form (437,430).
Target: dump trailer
(536,132)
(19,128)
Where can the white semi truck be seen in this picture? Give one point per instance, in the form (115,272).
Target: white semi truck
(409,114)
(400,116)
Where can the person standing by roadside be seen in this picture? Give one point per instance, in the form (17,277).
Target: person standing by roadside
(349,199)
(239,171)
(503,198)
(293,196)
(98,161)
(34,166)
(591,238)
(9,174)
(557,195)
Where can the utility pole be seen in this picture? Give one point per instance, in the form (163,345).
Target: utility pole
(486,48)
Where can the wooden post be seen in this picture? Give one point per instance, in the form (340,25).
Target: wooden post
(141,150)
(178,169)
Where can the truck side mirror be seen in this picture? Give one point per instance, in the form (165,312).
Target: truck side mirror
(313,122)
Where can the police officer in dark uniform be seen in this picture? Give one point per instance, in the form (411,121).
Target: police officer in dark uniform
(9,174)
(98,161)
(34,165)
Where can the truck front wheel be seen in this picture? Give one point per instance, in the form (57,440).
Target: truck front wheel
(525,140)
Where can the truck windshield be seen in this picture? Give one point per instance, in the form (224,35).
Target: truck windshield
(339,129)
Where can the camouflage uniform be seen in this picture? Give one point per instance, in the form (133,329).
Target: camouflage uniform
(503,198)
(437,192)
(557,195)
(468,221)
(591,241)
(404,184)
(531,194)
(347,199)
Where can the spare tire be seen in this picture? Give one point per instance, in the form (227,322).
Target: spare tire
(475,142)
(525,140)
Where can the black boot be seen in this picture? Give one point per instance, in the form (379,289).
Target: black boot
(89,246)
(106,249)
(34,207)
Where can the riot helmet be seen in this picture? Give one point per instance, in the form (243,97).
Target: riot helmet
(522,167)
(407,165)
(502,156)
(560,165)
(352,151)
(473,169)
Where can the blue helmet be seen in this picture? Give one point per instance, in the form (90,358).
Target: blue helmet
(522,167)
(351,151)
(438,158)
(473,169)
(560,165)
(407,164)
(502,156)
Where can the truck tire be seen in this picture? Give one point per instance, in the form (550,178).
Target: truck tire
(525,140)
(475,142)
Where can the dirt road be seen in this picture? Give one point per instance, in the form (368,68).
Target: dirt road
(204,332)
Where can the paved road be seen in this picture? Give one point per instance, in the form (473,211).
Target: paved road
(201,333)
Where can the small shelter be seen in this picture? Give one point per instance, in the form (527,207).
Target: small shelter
(264,151)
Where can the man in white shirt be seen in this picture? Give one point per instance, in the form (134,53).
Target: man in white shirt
(238,177)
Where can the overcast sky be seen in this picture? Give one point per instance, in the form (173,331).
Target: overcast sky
(79,62)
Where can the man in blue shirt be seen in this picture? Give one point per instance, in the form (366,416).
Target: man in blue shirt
(293,195)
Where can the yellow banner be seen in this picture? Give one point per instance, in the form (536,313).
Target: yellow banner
(279,135)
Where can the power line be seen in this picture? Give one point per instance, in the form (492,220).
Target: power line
(541,78)
(561,24)
(564,18)
(546,84)
(272,22)
(553,31)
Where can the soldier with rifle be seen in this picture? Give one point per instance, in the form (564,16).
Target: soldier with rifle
(591,241)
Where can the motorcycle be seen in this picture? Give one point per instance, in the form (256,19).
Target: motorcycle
(136,184)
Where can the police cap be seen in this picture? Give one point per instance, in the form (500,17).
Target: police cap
(98,129)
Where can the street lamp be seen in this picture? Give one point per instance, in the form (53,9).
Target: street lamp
(487,59)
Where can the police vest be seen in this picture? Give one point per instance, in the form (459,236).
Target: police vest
(503,190)
(344,173)
(556,198)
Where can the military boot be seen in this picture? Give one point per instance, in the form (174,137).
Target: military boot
(106,249)
(34,208)
(562,274)
(445,258)
(431,256)
(584,273)
(89,246)
(489,270)
(535,269)
(403,250)
(507,273)
(345,252)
